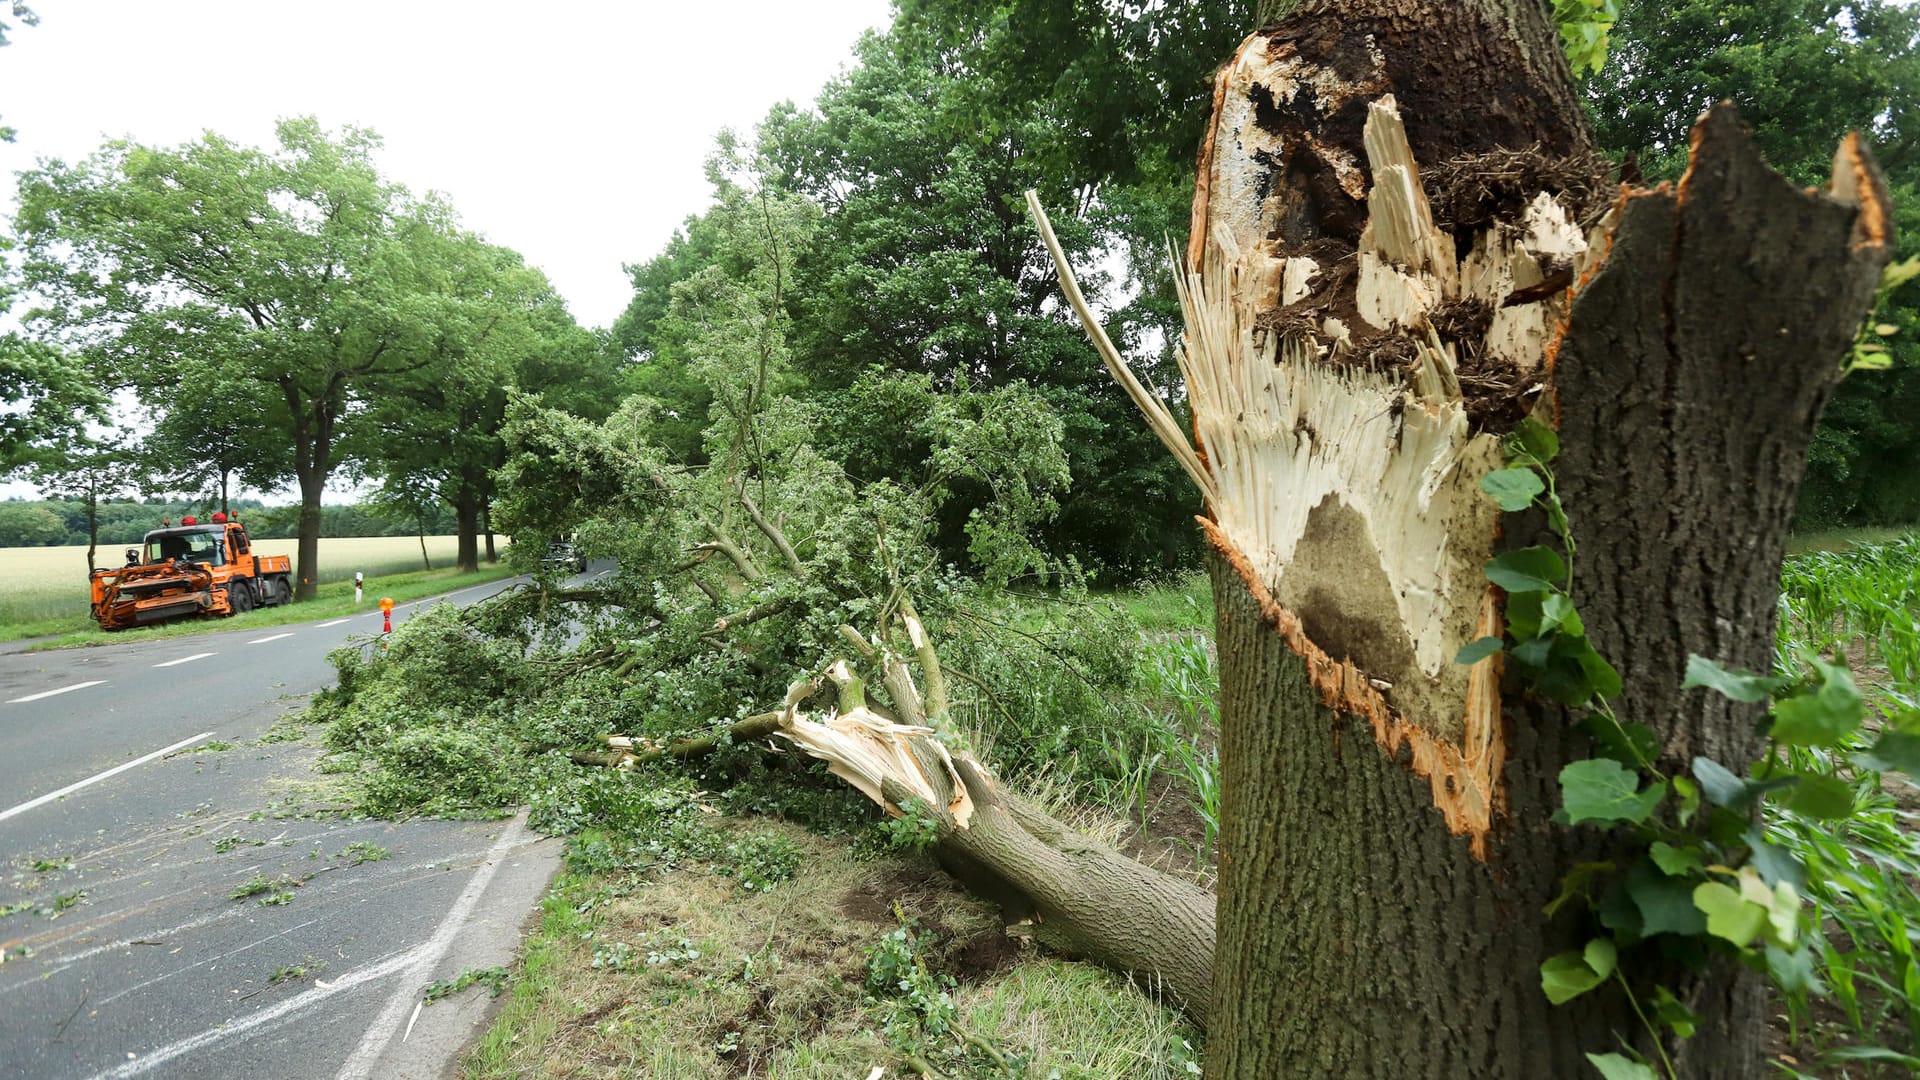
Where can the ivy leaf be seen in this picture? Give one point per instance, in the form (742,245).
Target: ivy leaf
(1536,440)
(1556,613)
(1570,974)
(1530,569)
(1823,797)
(1523,616)
(1736,684)
(1478,649)
(1513,488)
(1605,679)
(1730,916)
(1689,793)
(1601,789)
(1627,742)
(1616,1067)
(1674,861)
(1792,969)
(1822,717)
(1532,653)
(1775,863)
(1574,885)
(1723,788)
(1665,903)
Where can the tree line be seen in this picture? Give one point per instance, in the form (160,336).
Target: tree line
(286,315)
(117,522)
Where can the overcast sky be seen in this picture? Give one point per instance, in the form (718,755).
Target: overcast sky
(571,131)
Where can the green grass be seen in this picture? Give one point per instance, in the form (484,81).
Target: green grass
(1185,603)
(1843,539)
(335,599)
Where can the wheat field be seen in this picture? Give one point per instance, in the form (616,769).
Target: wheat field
(51,582)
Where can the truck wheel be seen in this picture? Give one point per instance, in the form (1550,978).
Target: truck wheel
(239,596)
(282,592)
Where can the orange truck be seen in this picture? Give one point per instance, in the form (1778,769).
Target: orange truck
(190,569)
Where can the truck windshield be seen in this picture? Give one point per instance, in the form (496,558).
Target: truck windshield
(193,547)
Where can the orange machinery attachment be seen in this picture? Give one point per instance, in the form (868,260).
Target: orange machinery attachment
(190,569)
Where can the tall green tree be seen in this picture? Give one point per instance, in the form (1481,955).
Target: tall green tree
(279,267)
(491,324)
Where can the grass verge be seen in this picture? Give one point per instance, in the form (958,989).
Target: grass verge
(848,965)
(335,599)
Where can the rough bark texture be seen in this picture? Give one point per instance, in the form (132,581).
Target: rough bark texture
(1369,925)
(1082,898)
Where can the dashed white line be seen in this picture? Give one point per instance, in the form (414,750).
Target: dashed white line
(269,637)
(117,769)
(335,622)
(186,659)
(50,693)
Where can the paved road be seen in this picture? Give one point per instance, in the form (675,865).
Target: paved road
(123,836)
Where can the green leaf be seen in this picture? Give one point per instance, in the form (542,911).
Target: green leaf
(1675,861)
(1514,488)
(1689,793)
(1729,916)
(1574,885)
(1822,717)
(1670,1012)
(1665,903)
(1775,863)
(1626,742)
(1792,969)
(1823,797)
(1617,1067)
(1570,974)
(1530,569)
(1721,787)
(1532,653)
(1556,613)
(1523,616)
(1738,685)
(1602,675)
(1602,790)
(1535,439)
(1478,649)
(1896,751)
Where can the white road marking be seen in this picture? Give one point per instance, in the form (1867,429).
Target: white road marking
(365,1056)
(186,659)
(335,622)
(115,771)
(50,693)
(159,1057)
(269,637)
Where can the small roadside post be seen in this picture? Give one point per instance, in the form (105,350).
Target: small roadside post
(359,582)
(386,615)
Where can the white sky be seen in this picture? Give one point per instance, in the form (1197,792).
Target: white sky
(570,131)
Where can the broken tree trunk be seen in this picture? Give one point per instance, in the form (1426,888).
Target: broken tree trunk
(1059,887)
(1401,246)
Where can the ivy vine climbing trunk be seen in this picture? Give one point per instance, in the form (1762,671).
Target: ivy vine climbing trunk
(1403,245)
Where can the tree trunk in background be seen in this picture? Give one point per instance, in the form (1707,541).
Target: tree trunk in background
(1402,245)
(466,517)
(486,526)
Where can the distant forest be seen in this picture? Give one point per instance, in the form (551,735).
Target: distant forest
(53,522)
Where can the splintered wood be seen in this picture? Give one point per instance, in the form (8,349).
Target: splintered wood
(1341,450)
(867,750)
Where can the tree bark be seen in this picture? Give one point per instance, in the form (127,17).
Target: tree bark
(1359,338)
(466,516)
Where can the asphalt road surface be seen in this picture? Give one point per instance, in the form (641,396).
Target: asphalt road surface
(138,795)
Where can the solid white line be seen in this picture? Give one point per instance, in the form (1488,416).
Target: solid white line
(269,637)
(360,1065)
(50,693)
(335,622)
(116,770)
(164,1054)
(187,659)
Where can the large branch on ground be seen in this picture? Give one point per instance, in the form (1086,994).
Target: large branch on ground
(1359,336)
(1059,887)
